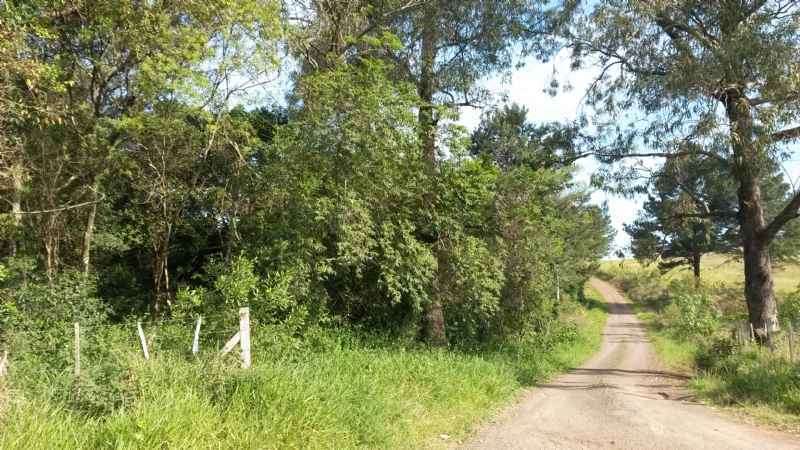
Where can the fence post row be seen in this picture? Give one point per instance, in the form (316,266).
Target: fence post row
(242,337)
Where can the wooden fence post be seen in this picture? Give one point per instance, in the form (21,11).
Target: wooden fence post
(231,343)
(244,331)
(77,349)
(791,342)
(4,364)
(142,340)
(196,340)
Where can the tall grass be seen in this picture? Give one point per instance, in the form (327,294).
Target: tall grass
(332,390)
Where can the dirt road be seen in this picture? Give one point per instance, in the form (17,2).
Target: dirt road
(620,399)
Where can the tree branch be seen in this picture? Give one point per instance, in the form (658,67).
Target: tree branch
(789,212)
(788,134)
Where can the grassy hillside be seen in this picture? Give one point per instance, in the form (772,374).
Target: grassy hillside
(340,392)
(719,269)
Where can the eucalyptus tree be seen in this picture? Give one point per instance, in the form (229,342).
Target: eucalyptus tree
(678,74)
(444,48)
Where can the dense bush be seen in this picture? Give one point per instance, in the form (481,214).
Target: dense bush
(691,315)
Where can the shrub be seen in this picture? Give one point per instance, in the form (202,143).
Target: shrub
(790,309)
(691,315)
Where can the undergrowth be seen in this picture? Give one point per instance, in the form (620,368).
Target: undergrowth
(332,388)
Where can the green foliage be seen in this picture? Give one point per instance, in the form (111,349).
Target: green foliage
(691,315)
(337,389)
(136,193)
(790,310)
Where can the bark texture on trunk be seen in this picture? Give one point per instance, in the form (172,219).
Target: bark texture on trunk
(161,272)
(759,285)
(696,259)
(434,331)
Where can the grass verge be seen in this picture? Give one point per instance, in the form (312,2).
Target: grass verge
(350,393)
(748,381)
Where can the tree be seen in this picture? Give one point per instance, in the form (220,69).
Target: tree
(545,226)
(674,226)
(107,62)
(696,72)
(443,48)
(506,137)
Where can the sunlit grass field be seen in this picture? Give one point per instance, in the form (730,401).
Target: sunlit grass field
(721,269)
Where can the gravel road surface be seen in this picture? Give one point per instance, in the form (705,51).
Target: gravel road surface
(620,399)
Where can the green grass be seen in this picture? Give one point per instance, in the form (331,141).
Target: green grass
(748,381)
(716,268)
(678,355)
(350,394)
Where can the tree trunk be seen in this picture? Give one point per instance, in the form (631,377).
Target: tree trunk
(161,272)
(696,257)
(434,312)
(51,245)
(759,287)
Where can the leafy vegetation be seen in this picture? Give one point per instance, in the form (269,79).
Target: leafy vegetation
(328,388)
(716,86)
(145,180)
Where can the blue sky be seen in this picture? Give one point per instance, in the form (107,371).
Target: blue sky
(526,86)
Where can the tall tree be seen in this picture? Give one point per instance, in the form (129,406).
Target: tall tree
(698,71)
(442,47)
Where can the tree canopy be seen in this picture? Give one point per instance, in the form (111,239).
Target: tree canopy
(136,178)
(698,74)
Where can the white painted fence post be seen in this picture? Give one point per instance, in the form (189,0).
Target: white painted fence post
(143,340)
(4,364)
(77,349)
(244,331)
(196,340)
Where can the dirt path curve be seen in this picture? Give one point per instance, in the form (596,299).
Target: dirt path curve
(620,399)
